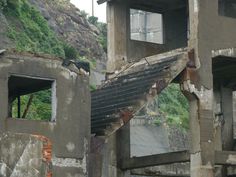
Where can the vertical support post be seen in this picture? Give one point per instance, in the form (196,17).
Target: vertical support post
(199,83)
(123,149)
(202,150)
(227,108)
(18,106)
(220,171)
(117,16)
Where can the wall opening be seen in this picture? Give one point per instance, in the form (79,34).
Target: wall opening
(31,98)
(167,25)
(162,125)
(146,26)
(227,8)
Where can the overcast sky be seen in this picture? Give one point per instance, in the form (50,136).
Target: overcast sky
(86,5)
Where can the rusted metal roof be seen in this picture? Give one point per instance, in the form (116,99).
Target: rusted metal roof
(116,102)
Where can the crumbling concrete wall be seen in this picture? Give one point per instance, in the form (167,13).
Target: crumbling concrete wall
(23,155)
(208,32)
(70,132)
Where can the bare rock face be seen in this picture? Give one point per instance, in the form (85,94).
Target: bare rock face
(69,24)
(4,40)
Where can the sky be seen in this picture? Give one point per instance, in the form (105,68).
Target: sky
(86,5)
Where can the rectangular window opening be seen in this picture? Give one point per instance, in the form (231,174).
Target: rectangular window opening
(146,26)
(227,8)
(32,98)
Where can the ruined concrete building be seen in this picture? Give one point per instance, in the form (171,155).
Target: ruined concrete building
(33,148)
(151,44)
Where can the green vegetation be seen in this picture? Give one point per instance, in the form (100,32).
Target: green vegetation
(102,38)
(40,108)
(174,106)
(3,3)
(30,30)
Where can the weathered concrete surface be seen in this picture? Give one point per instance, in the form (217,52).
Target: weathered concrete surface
(121,49)
(70,133)
(23,155)
(211,35)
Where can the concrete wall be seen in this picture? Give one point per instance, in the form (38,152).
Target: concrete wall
(214,32)
(208,31)
(176,28)
(23,155)
(121,47)
(70,133)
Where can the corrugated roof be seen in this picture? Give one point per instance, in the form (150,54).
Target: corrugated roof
(115,103)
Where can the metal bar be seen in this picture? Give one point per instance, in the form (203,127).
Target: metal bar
(18,106)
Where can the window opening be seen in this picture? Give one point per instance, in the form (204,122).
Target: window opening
(31,98)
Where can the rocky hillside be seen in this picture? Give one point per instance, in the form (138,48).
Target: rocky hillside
(69,24)
(56,27)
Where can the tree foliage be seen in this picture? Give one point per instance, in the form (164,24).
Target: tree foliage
(40,108)
(174,106)
(93,20)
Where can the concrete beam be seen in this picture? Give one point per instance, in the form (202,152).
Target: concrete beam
(160,174)
(225,158)
(156,160)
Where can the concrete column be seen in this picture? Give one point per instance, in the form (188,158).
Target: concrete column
(220,171)
(201,127)
(202,151)
(227,108)
(117,16)
(123,149)
(199,83)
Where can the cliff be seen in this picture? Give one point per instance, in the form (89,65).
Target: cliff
(55,27)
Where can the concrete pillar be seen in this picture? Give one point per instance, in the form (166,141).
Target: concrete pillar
(201,128)
(227,108)
(117,16)
(199,85)
(123,149)
(220,171)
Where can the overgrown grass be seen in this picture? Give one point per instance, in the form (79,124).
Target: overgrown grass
(31,32)
(174,106)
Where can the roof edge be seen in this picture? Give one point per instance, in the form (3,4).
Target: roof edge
(102,1)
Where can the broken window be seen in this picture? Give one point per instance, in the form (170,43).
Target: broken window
(31,98)
(146,26)
(227,8)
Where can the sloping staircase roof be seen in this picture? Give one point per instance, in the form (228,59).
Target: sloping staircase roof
(117,101)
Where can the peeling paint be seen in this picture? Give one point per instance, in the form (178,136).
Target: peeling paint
(6,63)
(196,6)
(204,95)
(70,146)
(3,169)
(231,159)
(229,52)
